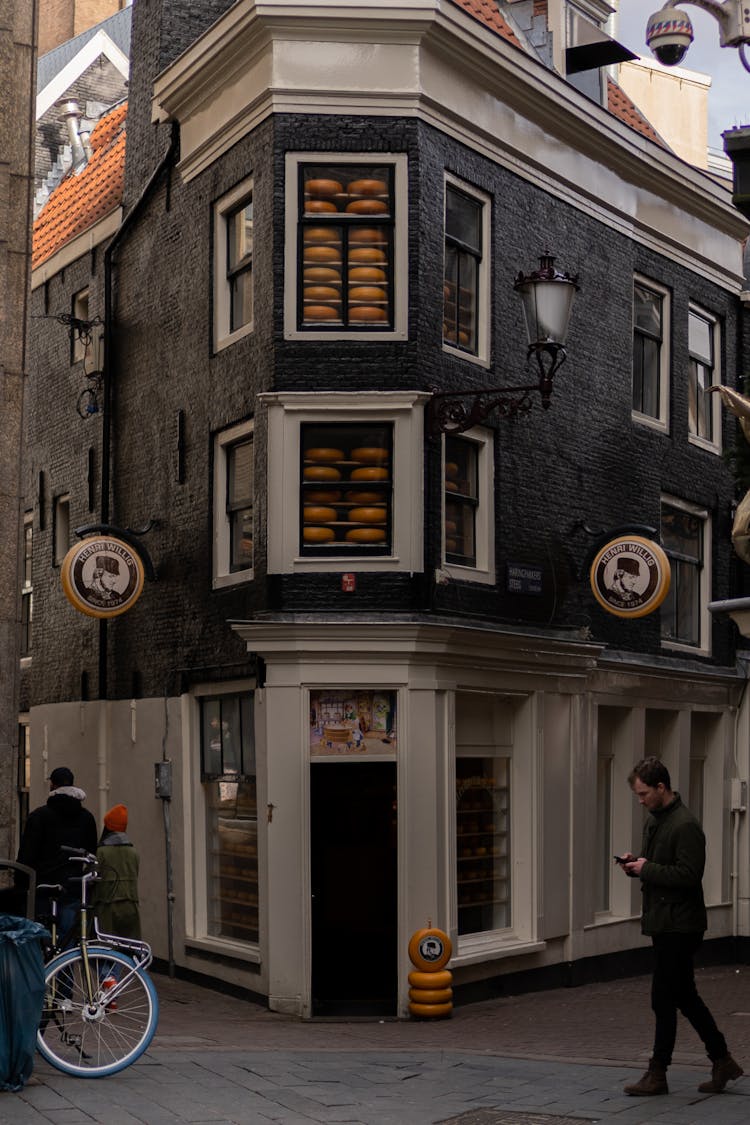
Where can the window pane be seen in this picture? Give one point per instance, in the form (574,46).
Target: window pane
(241,299)
(647,332)
(603,833)
(647,311)
(232,868)
(231,734)
(239,235)
(700,340)
(463,219)
(681,532)
(346,489)
(482,839)
(346,246)
(211,738)
(461,501)
(700,415)
(240,483)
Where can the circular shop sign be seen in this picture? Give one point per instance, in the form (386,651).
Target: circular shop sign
(630,577)
(102,576)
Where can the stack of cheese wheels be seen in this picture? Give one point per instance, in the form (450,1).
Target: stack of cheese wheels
(370,510)
(317,515)
(367,270)
(430,984)
(321,272)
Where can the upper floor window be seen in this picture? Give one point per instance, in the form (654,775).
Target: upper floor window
(651,353)
(234,488)
(685,536)
(346,269)
(233,265)
(345,481)
(704,411)
(27,594)
(468,540)
(465,278)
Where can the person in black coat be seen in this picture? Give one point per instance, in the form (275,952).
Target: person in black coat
(62,821)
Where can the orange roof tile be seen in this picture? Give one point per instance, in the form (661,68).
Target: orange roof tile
(488,13)
(86,196)
(622,107)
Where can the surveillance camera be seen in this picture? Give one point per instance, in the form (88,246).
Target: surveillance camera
(669,33)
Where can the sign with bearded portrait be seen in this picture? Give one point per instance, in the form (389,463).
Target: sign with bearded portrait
(102,576)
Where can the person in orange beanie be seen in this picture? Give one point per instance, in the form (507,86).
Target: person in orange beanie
(116,891)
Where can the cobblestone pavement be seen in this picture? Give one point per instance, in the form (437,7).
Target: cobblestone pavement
(558,1057)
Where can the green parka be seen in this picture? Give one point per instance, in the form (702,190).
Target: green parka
(671,881)
(115,899)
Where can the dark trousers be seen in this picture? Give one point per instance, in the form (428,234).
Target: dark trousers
(672,990)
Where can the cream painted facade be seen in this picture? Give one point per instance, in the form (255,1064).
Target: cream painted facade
(675,101)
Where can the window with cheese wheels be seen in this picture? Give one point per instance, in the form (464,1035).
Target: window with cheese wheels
(336,519)
(346,230)
(461,487)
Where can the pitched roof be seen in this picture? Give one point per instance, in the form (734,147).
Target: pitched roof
(488,13)
(88,195)
(621,106)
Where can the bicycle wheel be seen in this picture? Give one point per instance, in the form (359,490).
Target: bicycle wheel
(101,1037)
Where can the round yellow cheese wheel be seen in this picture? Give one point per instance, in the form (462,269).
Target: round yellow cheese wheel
(451,545)
(368,235)
(321,472)
(323,495)
(321,234)
(368,515)
(368,187)
(366,254)
(321,293)
(362,274)
(441,979)
(451,486)
(365,207)
(370,473)
(319,205)
(318,534)
(366,535)
(451,470)
(367,312)
(321,312)
(364,497)
(322,254)
(324,454)
(315,514)
(323,187)
(320,274)
(366,293)
(450,527)
(369,454)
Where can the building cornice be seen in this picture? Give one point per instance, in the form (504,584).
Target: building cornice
(82,244)
(431,61)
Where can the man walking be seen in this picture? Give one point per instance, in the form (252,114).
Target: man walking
(674,916)
(61,821)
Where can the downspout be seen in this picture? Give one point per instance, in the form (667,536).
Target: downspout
(112,246)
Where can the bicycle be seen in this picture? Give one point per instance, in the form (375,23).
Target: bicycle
(100,1006)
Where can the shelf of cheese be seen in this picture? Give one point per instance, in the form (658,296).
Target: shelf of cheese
(367,276)
(343,516)
(482,848)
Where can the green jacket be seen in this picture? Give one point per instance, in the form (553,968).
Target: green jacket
(115,898)
(675,847)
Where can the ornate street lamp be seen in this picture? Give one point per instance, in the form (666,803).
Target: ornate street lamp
(547,298)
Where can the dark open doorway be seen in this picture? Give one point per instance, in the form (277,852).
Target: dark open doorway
(353,850)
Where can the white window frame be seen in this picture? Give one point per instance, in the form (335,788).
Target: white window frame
(223,335)
(222,575)
(713,445)
(484,570)
(518,744)
(665,358)
(619,731)
(482,356)
(703,647)
(27,585)
(286,412)
(400,267)
(195,835)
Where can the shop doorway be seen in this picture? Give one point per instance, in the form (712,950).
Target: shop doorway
(353,854)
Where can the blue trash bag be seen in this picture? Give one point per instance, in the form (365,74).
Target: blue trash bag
(21,997)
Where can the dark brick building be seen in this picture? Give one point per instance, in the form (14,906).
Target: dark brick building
(371,652)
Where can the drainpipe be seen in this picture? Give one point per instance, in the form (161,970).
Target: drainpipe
(165,163)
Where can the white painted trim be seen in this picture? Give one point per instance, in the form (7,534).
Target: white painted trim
(98,44)
(484,530)
(715,445)
(482,357)
(222,336)
(222,576)
(703,648)
(665,360)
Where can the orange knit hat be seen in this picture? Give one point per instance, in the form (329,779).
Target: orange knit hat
(116,820)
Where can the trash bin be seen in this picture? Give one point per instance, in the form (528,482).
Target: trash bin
(21,997)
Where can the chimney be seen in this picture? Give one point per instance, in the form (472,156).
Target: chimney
(72,113)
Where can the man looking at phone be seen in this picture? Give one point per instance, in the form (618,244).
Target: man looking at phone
(670,867)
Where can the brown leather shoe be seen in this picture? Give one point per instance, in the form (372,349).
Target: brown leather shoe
(723,1071)
(654,1081)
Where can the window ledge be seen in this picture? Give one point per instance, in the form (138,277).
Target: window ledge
(704,443)
(482,950)
(691,650)
(648,420)
(239,576)
(606,919)
(221,947)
